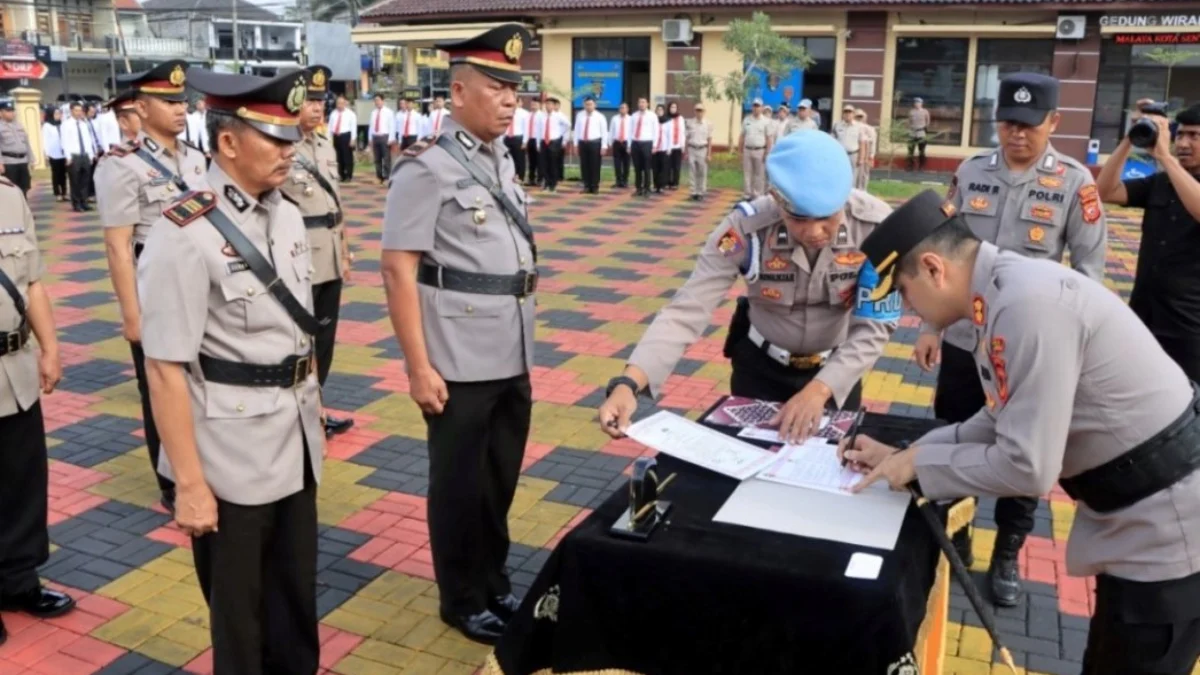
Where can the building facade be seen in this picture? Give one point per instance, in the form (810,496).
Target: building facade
(875,54)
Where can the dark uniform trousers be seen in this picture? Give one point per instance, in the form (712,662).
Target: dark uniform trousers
(344,147)
(642,151)
(24,484)
(19,175)
(79,173)
(959,395)
(620,158)
(756,375)
(258,574)
(327,301)
(660,162)
(513,143)
(589,163)
(153,442)
(674,167)
(383,156)
(475,450)
(407,141)
(551,156)
(58,177)
(1144,628)
(535,168)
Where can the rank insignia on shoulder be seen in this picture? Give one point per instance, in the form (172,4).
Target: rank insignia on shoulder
(464,139)
(979,203)
(120,150)
(850,258)
(777,263)
(730,243)
(417,148)
(996,356)
(190,207)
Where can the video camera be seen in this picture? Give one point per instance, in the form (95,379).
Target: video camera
(1144,132)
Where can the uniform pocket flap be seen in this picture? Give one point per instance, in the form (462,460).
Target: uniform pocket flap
(227,401)
(454,305)
(242,284)
(14,245)
(1046,214)
(474,197)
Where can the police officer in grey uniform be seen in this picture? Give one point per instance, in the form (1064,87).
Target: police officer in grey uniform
(227,326)
(1077,392)
(14,146)
(136,181)
(313,187)
(754,145)
(24,372)
(813,323)
(459,265)
(1028,198)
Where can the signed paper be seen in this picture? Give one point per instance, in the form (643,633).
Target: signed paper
(812,464)
(684,439)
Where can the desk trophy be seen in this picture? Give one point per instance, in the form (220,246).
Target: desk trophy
(645,510)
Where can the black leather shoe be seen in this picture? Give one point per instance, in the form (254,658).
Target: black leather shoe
(505,606)
(1004,577)
(335,425)
(40,602)
(484,627)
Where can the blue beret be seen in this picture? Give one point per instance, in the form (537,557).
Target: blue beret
(810,174)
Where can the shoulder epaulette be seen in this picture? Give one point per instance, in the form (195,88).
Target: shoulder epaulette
(123,149)
(747,208)
(190,207)
(288,198)
(323,136)
(419,147)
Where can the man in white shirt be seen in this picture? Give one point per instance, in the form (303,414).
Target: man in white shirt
(410,125)
(591,140)
(533,126)
(343,128)
(676,138)
(643,136)
(195,129)
(550,144)
(619,131)
(437,115)
(79,145)
(381,129)
(514,140)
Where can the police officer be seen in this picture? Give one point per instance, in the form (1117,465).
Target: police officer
(754,146)
(459,268)
(24,478)
(136,181)
(124,107)
(313,186)
(813,323)
(1078,392)
(225,283)
(14,146)
(1029,198)
(698,147)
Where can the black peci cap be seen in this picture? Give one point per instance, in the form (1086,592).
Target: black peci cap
(122,102)
(318,82)
(495,53)
(7,103)
(271,105)
(1026,98)
(166,81)
(904,229)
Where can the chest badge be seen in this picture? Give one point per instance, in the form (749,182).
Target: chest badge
(308,191)
(979,203)
(772,293)
(479,216)
(777,263)
(978,310)
(1037,234)
(1050,181)
(1041,211)
(850,258)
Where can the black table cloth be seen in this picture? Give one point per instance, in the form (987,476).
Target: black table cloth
(706,597)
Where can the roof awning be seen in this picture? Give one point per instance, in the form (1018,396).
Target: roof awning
(420,36)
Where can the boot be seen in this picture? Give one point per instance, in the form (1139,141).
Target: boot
(1003,576)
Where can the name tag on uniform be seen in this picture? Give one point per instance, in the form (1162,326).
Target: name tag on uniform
(237,266)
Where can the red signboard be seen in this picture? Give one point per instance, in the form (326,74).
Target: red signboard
(1157,38)
(17,70)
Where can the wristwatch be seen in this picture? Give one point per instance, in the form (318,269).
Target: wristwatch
(618,381)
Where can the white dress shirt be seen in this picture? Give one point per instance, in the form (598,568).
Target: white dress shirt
(662,142)
(382,122)
(342,122)
(534,125)
(643,126)
(435,120)
(52,140)
(591,127)
(619,129)
(410,123)
(519,126)
(558,127)
(75,132)
(108,129)
(676,133)
(195,131)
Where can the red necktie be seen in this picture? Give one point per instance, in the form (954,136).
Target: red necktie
(658,145)
(437,125)
(587,123)
(529,133)
(546,133)
(377,116)
(407,121)
(337,126)
(621,133)
(637,130)
(675,137)
(511,125)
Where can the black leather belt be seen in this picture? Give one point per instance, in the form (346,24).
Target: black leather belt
(15,155)
(761,147)
(327,221)
(14,341)
(292,372)
(693,145)
(520,284)
(1160,462)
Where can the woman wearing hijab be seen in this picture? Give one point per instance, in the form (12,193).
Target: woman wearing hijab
(676,135)
(52,142)
(662,150)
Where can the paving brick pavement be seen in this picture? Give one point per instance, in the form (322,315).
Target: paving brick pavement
(608,264)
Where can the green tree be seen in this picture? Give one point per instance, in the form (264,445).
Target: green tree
(1169,57)
(762,50)
(328,10)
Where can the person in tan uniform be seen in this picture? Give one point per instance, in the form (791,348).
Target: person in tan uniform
(813,323)
(870,143)
(698,146)
(228,329)
(313,187)
(1078,392)
(124,107)
(919,120)
(460,269)
(135,182)
(754,145)
(15,155)
(25,312)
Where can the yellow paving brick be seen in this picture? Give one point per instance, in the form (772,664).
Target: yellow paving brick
(455,668)
(955,665)
(168,606)
(357,360)
(356,293)
(356,665)
(975,644)
(538,535)
(132,628)
(518,529)
(394,588)
(401,624)
(587,437)
(113,349)
(352,623)
(125,583)
(649,305)
(427,664)
(425,605)
(595,370)
(168,652)
(953,631)
(382,652)
(169,568)
(188,635)
(424,634)
(458,649)
(538,488)
(371,609)
(550,513)
(153,586)
(628,333)
(1062,517)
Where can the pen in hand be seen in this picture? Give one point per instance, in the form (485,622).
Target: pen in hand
(852,434)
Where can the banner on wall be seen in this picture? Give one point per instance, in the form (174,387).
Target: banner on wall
(1138,166)
(775,89)
(605,80)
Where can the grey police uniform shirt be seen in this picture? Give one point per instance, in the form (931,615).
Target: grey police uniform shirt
(21,261)
(313,200)
(14,141)
(801,307)
(432,207)
(131,192)
(199,297)
(756,130)
(1072,379)
(1051,207)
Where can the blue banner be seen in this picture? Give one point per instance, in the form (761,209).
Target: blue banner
(775,89)
(604,80)
(877,298)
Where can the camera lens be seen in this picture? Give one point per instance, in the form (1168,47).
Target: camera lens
(1143,133)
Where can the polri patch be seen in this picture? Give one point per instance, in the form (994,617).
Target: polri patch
(875,298)
(996,356)
(1089,200)
(730,243)
(978,310)
(190,207)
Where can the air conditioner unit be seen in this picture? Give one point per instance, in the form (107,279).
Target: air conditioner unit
(1071,27)
(677,30)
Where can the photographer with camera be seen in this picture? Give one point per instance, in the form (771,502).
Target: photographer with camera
(1166,287)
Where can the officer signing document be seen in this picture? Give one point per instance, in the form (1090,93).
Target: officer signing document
(1078,392)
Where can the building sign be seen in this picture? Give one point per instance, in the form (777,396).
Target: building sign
(776,89)
(604,80)
(1157,38)
(23,70)
(1150,21)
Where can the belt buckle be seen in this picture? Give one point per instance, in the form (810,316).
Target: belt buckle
(13,341)
(805,361)
(301,371)
(530,283)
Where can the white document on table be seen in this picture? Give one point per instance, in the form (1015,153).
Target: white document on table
(870,519)
(812,464)
(771,434)
(684,439)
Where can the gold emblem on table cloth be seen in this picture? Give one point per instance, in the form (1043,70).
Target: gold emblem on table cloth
(907,665)
(547,605)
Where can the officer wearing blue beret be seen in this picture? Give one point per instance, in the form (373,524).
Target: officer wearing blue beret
(813,320)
